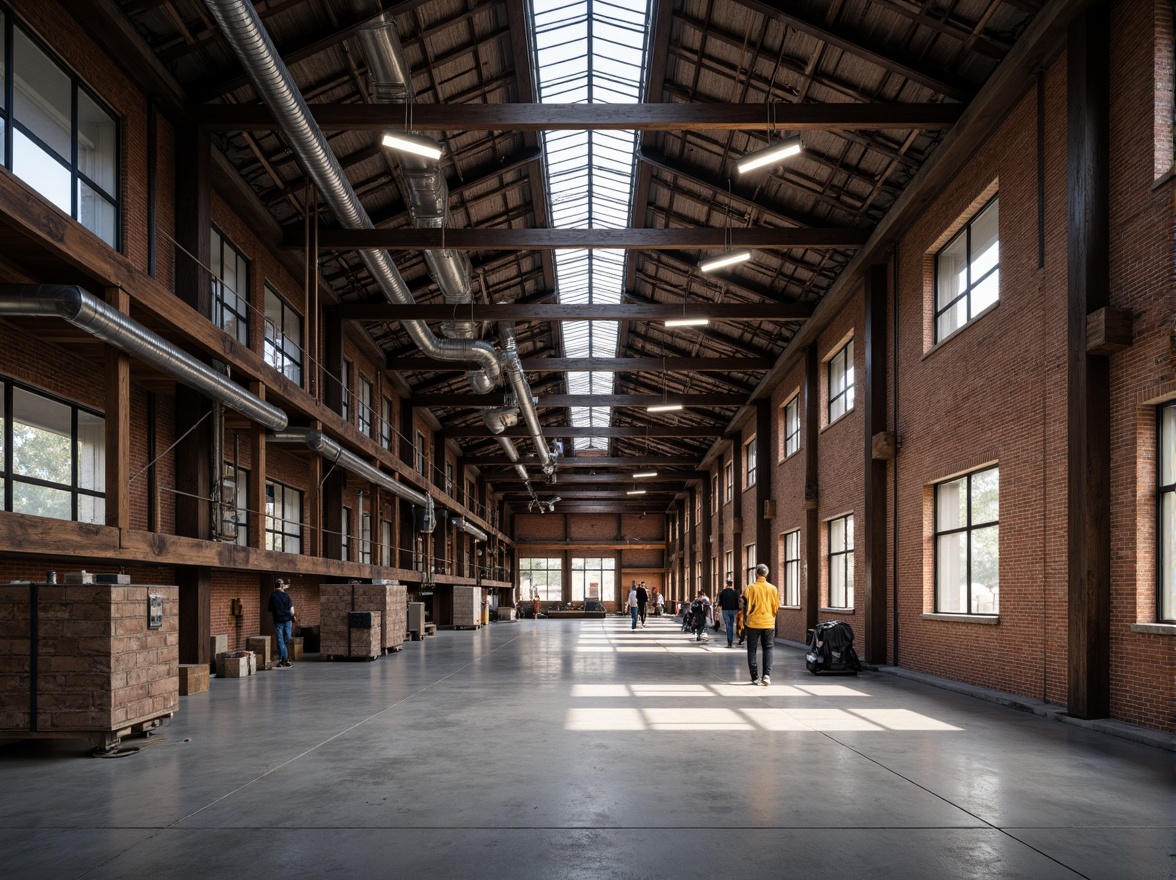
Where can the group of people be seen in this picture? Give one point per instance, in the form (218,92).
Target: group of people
(638,603)
(750,615)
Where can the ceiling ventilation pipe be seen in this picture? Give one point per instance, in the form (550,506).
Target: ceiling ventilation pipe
(425,189)
(87,312)
(462,525)
(336,454)
(514,374)
(271,80)
(427,195)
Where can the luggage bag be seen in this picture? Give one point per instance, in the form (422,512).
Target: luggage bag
(830,649)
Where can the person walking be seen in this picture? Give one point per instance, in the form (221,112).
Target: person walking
(701,615)
(659,607)
(282,610)
(633,603)
(761,602)
(642,602)
(729,605)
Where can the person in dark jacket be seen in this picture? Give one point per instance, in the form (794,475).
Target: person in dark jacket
(729,605)
(642,602)
(282,610)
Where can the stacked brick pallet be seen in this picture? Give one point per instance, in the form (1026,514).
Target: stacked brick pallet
(388,606)
(95,670)
(467,607)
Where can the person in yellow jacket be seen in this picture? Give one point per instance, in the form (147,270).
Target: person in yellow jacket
(761,602)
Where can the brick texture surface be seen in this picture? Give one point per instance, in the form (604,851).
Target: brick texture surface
(98,667)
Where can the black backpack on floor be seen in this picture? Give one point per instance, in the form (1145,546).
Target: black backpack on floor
(830,649)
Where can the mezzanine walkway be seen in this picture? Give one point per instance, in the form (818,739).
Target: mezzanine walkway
(579,749)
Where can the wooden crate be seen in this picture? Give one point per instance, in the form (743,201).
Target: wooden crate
(193,679)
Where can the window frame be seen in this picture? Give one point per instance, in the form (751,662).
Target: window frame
(750,562)
(791,559)
(841,560)
(525,569)
(729,565)
(729,480)
(971,287)
(967,529)
(218,306)
(385,542)
(386,423)
(8,475)
(791,434)
(363,411)
(345,396)
(1165,525)
(715,494)
(11,23)
(275,351)
(750,454)
(345,535)
(284,535)
(420,450)
(844,394)
(579,593)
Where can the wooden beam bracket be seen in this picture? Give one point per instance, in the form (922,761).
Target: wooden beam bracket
(1109,330)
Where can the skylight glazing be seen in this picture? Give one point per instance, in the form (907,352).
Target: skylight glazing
(590,51)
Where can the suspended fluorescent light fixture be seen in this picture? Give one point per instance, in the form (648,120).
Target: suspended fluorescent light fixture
(635,492)
(664,407)
(688,322)
(770,155)
(412,143)
(645,474)
(723,260)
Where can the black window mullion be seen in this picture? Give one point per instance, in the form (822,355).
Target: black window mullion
(8,445)
(9,94)
(73,464)
(73,150)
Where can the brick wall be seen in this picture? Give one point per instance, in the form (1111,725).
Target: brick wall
(787,475)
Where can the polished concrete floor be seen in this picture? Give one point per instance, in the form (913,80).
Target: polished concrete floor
(580,749)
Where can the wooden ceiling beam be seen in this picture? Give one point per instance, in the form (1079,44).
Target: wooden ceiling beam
(937,81)
(603,482)
(591,461)
(595,117)
(476,401)
(408,239)
(607,365)
(575,312)
(702,432)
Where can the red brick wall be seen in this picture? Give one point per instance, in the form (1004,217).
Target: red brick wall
(1143,665)
(787,475)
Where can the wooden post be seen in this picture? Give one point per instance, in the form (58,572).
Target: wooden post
(257,494)
(812,516)
(874,525)
(765,442)
(1088,376)
(118,424)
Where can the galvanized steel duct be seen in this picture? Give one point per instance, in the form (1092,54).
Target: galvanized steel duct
(514,374)
(425,188)
(276,88)
(87,312)
(469,528)
(336,454)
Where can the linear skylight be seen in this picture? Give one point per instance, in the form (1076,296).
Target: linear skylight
(590,52)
